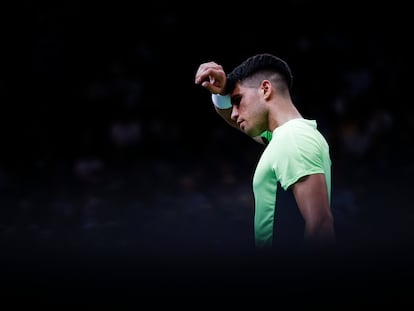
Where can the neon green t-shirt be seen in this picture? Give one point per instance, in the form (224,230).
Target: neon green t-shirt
(295,149)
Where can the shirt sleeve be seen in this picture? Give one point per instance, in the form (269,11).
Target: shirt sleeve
(299,155)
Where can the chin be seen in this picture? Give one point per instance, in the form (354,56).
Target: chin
(251,133)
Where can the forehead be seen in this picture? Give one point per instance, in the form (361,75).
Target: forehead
(239,89)
(239,92)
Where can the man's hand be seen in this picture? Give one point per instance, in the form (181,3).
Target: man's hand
(212,77)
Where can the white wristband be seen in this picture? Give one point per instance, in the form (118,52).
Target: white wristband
(221,101)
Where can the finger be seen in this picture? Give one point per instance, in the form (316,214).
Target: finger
(209,82)
(204,74)
(201,75)
(205,84)
(207,71)
(212,79)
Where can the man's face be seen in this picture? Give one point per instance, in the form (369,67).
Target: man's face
(249,110)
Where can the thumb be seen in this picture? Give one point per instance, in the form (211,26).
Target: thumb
(210,86)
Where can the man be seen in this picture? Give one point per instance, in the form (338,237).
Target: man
(256,98)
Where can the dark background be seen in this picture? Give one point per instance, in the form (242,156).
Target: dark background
(110,153)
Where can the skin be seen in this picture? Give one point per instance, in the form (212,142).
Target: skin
(256,109)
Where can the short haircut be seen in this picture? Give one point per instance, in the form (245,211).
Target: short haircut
(259,63)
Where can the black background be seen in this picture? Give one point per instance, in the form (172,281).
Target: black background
(70,70)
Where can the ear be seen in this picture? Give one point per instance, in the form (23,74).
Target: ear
(266,88)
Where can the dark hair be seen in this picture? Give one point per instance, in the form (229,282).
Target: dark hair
(256,63)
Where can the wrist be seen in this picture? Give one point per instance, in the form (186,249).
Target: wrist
(221,101)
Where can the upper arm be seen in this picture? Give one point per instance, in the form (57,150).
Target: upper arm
(311,195)
(312,198)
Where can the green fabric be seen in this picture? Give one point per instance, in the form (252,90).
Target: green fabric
(267,136)
(296,149)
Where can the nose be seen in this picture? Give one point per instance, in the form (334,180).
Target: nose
(234,113)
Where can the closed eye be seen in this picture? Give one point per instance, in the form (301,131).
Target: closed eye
(235,101)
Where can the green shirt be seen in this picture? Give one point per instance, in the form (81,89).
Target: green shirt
(296,149)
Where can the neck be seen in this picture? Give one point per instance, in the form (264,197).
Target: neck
(281,113)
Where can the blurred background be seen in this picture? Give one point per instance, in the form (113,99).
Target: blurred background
(108,145)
